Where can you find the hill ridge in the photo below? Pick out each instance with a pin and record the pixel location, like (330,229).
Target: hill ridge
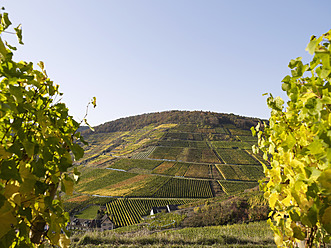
(202,118)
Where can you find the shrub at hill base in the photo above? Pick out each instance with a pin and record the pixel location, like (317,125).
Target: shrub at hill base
(298,138)
(237,209)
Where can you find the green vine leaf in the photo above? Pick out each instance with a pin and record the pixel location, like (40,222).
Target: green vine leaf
(37,140)
(297,140)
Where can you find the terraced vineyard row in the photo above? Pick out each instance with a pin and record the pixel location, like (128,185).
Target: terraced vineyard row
(152,185)
(191,128)
(212,130)
(236,131)
(142,155)
(129,211)
(199,171)
(241,172)
(236,156)
(248,138)
(183,136)
(230,187)
(185,188)
(230,144)
(253,172)
(183,143)
(221,137)
(259,156)
(184,169)
(185,154)
(166,168)
(195,129)
(127,164)
(216,174)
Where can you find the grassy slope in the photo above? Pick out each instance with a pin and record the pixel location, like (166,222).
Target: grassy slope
(88,213)
(256,234)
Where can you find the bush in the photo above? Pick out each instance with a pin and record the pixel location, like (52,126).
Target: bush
(234,210)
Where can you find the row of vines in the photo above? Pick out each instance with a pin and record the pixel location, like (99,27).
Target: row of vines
(129,211)
(241,172)
(185,188)
(230,187)
(144,154)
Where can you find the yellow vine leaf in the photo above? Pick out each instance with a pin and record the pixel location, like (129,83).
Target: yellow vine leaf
(3,153)
(326,219)
(69,186)
(272,199)
(7,219)
(325,179)
(288,200)
(64,241)
(278,240)
(10,190)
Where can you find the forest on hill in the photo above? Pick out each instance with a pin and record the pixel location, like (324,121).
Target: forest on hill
(201,118)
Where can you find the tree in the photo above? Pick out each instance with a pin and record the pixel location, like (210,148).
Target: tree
(298,140)
(37,140)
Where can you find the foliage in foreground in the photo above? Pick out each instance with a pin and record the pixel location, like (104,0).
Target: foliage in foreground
(36,137)
(299,141)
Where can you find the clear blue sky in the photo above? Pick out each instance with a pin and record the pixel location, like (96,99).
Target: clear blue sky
(141,56)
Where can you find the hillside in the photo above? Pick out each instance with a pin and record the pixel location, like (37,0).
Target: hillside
(218,222)
(172,157)
(254,234)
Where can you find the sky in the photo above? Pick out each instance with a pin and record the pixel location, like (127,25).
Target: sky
(142,56)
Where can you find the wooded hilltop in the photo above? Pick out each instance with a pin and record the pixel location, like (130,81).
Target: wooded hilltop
(201,118)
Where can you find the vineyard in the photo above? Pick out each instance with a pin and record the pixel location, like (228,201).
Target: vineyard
(221,137)
(190,128)
(216,174)
(172,169)
(185,188)
(152,185)
(127,164)
(230,144)
(183,143)
(253,173)
(144,154)
(184,161)
(184,136)
(183,168)
(129,211)
(184,154)
(259,156)
(236,156)
(96,179)
(237,131)
(227,172)
(189,170)
(165,168)
(166,152)
(241,172)
(247,138)
(199,171)
(231,187)
(213,130)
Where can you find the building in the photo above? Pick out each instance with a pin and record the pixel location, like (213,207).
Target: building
(166,209)
(102,224)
